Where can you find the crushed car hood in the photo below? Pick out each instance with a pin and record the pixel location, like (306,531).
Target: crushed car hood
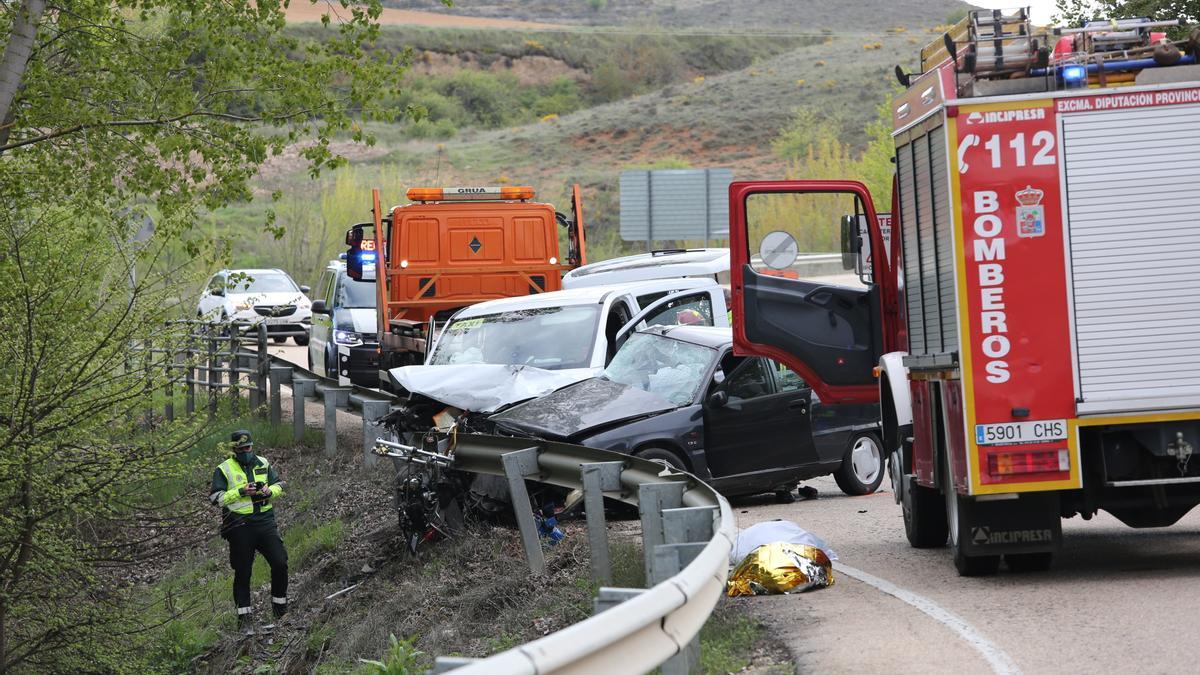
(588,405)
(484,387)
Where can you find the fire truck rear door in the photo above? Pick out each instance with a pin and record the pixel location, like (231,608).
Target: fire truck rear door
(801,293)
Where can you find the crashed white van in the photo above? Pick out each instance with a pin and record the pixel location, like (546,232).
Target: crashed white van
(500,352)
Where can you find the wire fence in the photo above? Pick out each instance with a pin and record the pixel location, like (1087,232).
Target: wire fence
(203,365)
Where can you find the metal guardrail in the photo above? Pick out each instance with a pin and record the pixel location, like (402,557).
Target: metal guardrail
(688,531)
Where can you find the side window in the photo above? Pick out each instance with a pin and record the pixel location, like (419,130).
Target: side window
(751,380)
(648,299)
(812,236)
(689,309)
(216,283)
(325,287)
(786,378)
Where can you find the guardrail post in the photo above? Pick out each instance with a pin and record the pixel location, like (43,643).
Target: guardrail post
(170,361)
(372,411)
(214,375)
(302,388)
(279,375)
(652,499)
(335,397)
(189,374)
(148,381)
(517,465)
(609,597)
(235,377)
(682,527)
(262,367)
(598,478)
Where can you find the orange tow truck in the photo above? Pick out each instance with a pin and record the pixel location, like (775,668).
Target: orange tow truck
(453,247)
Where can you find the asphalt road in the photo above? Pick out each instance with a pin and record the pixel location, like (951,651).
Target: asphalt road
(1116,599)
(288,351)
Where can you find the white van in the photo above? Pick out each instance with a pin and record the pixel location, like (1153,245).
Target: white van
(502,351)
(711,263)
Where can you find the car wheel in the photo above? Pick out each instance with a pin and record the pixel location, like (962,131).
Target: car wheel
(662,456)
(301,340)
(331,370)
(279,339)
(862,469)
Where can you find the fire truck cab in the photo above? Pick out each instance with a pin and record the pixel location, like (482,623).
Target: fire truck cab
(1030,326)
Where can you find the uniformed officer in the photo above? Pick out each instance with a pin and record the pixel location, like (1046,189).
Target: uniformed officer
(245,486)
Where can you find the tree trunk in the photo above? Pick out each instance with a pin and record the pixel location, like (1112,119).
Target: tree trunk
(16,55)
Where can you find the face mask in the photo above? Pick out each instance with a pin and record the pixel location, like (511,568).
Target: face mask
(244,457)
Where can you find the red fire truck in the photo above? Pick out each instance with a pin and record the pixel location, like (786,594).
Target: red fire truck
(1030,330)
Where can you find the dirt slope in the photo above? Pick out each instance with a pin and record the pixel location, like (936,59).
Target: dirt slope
(304,12)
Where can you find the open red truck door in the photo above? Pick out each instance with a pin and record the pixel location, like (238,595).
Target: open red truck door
(806,290)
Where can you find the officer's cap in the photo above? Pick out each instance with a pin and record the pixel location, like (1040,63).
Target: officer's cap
(241,439)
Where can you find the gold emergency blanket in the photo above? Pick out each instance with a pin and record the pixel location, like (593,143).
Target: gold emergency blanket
(781,568)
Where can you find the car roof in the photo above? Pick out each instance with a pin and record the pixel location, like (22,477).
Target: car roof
(653,265)
(588,295)
(716,337)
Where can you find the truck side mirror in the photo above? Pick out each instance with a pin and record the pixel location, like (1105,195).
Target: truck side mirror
(851,243)
(318,307)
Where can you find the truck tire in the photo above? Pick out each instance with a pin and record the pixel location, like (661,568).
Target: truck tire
(863,465)
(924,516)
(967,566)
(1029,562)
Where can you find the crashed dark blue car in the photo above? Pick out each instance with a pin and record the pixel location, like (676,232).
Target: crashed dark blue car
(678,395)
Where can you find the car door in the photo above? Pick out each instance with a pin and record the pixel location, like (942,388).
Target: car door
(321,333)
(703,307)
(761,427)
(618,315)
(800,294)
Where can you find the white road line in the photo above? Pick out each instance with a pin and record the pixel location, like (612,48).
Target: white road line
(1000,662)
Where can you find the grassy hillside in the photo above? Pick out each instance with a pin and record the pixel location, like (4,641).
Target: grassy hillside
(776,15)
(550,108)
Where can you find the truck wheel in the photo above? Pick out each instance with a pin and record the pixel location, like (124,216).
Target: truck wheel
(924,516)
(967,566)
(862,467)
(1029,562)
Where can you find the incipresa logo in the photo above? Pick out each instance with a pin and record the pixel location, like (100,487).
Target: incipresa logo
(994,116)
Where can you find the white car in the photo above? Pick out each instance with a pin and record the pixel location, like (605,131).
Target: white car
(248,297)
(502,351)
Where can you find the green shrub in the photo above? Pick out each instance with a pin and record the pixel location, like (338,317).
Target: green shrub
(401,658)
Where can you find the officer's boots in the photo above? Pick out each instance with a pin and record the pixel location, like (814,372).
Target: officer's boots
(246,623)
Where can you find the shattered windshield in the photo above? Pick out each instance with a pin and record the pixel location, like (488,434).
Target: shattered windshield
(660,365)
(553,338)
